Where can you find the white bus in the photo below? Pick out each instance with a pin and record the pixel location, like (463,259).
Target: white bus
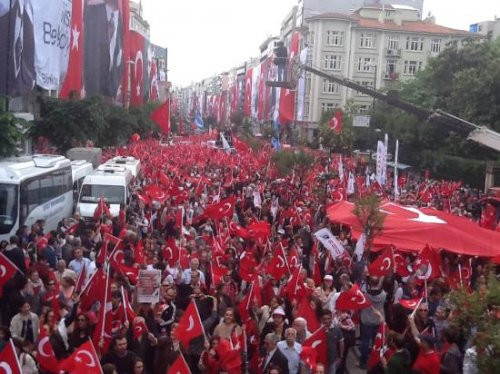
(38,187)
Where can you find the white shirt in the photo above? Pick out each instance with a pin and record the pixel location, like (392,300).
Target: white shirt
(77,265)
(292,354)
(186,276)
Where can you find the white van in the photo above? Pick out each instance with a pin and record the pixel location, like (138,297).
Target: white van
(108,181)
(32,188)
(128,162)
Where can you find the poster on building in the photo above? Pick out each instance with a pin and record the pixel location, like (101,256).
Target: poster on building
(17,48)
(361,120)
(148,286)
(103,42)
(52,32)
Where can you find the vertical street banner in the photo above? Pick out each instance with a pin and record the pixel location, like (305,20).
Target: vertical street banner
(247,105)
(287,97)
(139,69)
(123,92)
(73,81)
(255,90)
(301,87)
(381,163)
(103,55)
(154,88)
(17,47)
(52,33)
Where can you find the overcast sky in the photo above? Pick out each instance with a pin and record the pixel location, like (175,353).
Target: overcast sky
(206,37)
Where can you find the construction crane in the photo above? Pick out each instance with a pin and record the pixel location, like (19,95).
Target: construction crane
(479,134)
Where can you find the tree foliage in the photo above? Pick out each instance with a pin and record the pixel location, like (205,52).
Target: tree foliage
(71,123)
(11,131)
(463,80)
(338,143)
(367,210)
(287,160)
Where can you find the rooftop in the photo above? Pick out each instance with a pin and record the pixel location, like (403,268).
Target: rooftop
(407,26)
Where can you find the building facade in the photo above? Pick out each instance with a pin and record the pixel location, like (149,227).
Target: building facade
(373,46)
(490,29)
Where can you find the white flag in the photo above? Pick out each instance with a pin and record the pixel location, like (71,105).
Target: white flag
(330,242)
(350,184)
(257,200)
(360,246)
(381,163)
(341,169)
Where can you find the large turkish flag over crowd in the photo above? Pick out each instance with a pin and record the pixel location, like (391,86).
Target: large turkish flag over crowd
(411,228)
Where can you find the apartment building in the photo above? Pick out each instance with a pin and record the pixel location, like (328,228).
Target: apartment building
(375,46)
(490,29)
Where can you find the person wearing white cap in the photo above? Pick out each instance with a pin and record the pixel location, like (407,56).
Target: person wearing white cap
(326,291)
(277,326)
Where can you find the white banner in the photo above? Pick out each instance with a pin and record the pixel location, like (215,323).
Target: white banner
(381,163)
(255,90)
(360,247)
(52,33)
(301,87)
(330,242)
(350,184)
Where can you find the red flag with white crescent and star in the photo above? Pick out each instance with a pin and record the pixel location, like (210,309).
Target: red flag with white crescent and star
(317,341)
(73,81)
(84,360)
(7,271)
(45,353)
(335,122)
(383,265)
(161,117)
(179,366)
(138,62)
(247,104)
(8,359)
(190,326)
(220,210)
(354,299)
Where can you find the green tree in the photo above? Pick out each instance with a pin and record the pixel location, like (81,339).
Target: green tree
(367,210)
(286,161)
(463,80)
(12,131)
(342,142)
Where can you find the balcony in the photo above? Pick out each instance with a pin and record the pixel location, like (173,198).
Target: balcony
(393,52)
(393,76)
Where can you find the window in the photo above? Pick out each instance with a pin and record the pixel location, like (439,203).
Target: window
(436,45)
(367,40)
(366,64)
(390,66)
(325,107)
(393,42)
(92,192)
(414,43)
(8,207)
(412,67)
(335,38)
(330,87)
(366,84)
(332,62)
(362,109)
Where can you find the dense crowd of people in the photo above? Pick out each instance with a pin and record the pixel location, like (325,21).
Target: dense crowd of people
(221,228)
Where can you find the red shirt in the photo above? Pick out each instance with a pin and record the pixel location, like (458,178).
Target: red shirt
(427,363)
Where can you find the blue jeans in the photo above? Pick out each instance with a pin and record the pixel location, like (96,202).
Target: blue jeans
(368,334)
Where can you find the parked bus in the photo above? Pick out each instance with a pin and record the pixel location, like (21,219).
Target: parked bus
(32,188)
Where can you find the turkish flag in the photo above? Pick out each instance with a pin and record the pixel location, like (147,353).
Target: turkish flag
(80,282)
(308,355)
(305,310)
(287,96)
(259,230)
(9,362)
(247,104)
(138,68)
(278,265)
(378,344)
(383,265)
(293,259)
(427,264)
(7,271)
(240,145)
(171,252)
(409,304)
(103,253)
(294,288)
(247,265)
(84,360)
(45,353)
(488,217)
(237,230)
(254,295)
(101,209)
(94,290)
(161,116)
(230,356)
(179,366)
(335,122)
(73,81)
(353,299)
(317,341)
(128,310)
(412,229)
(220,210)
(401,266)
(190,326)
(139,328)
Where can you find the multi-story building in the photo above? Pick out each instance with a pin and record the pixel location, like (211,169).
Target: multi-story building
(490,29)
(374,46)
(160,56)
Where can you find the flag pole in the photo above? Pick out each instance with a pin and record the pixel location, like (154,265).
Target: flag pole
(396,171)
(103,306)
(460,274)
